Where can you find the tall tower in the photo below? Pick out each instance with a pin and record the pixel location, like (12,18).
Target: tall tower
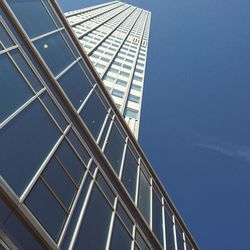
(115,37)
(72,175)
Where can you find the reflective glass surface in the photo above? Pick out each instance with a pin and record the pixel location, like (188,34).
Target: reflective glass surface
(25,142)
(60,182)
(50,48)
(46,209)
(27,10)
(120,237)
(129,173)
(169,232)
(144,197)
(70,161)
(114,148)
(75,84)
(157,218)
(94,223)
(6,41)
(93,114)
(14,90)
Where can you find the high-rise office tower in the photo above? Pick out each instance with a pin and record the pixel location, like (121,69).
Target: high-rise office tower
(72,175)
(115,37)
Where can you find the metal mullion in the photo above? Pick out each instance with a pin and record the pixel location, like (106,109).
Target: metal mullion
(111,225)
(51,115)
(164,224)
(90,9)
(107,136)
(54,194)
(105,21)
(26,104)
(46,34)
(110,33)
(5,50)
(42,167)
(65,170)
(86,99)
(184,240)
(82,213)
(75,201)
(103,126)
(68,68)
(123,158)
(174,230)
(91,17)
(137,182)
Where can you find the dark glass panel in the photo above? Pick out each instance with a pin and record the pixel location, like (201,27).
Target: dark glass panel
(75,84)
(130,173)
(114,148)
(78,146)
(14,90)
(141,242)
(59,182)
(25,142)
(19,234)
(120,237)
(23,65)
(51,106)
(55,52)
(4,212)
(71,45)
(70,161)
(76,213)
(46,209)
(105,188)
(169,232)
(157,218)
(6,41)
(93,114)
(144,197)
(95,223)
(125,218)
(33,16)
(179,237)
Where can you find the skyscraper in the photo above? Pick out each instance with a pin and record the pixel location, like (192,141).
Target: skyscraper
(115,36)
(73,176)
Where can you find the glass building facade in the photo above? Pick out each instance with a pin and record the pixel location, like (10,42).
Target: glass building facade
(72,174)
(115,37)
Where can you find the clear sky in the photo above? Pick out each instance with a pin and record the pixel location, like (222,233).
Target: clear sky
(195,125)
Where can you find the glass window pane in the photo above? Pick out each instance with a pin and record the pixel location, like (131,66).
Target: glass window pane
(134,98)
(169,232)
(5,211)
(6,41)
(75,84)
(46,209)
(141,242)
(93,114)
(129,173)
(75,216)
(55,52)
(157,218)
(70,161)
(144,197)
(25,142)
(78,147)
(19,234)
(33,16)
(59,182)
(117,93)
(95,223)
(132,113)
(114,148)
(14,90)
(120,237)
(125,217)
(23,65)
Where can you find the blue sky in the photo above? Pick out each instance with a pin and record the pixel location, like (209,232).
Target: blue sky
(195,121)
